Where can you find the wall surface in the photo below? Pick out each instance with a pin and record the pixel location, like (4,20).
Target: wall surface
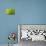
(27,12)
